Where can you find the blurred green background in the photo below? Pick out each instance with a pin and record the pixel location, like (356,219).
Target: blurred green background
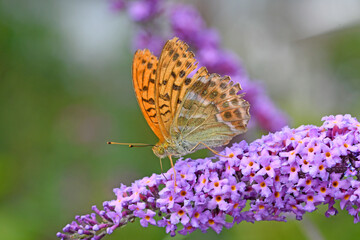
(65,89)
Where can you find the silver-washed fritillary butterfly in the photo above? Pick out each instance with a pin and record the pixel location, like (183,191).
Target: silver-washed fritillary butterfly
(186,113)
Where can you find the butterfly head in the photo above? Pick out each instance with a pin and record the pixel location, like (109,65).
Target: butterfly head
(160,149)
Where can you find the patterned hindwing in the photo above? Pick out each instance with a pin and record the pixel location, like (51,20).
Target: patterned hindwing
(212,112)
(172,81)
(144,71)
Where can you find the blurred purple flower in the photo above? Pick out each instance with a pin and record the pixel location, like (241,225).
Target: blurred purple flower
(140,10)
(144,39)
(263,179)
(117,5)
(187,23)
(263,109)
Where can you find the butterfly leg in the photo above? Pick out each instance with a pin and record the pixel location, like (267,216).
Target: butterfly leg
(162,171)
(212,150)
(172,165)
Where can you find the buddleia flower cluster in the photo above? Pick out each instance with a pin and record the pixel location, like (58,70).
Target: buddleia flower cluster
(285,173)
(159,22)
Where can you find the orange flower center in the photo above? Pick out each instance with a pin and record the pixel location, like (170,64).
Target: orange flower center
(310,198)
(263,184)
(321,167)
(197,215)
(311,150)
(231,155)
(293,169)
(183,193)
(216,184)
(328,154)
(268,168)
(233,187)
(211,222)
(182,176)
(261,207)
(277,194)
(308,182)
(204,181)
(218,198)
(251,164)
(335,183)
(346,145)
(147,218)
(277,178)
(181,212)
(323,189)
(347,196)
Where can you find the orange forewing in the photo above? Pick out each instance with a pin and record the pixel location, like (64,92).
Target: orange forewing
(172,81)
(144,71)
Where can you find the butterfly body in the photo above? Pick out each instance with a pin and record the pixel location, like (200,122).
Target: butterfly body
(174,148)
(187,112)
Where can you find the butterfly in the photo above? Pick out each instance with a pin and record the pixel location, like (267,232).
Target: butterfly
(187,111)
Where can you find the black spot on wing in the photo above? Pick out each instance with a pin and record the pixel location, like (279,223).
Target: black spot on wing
(168,111)
(176,55)
(227,115)
(165,97)
(176,87)
(182,73)
(164,105)
(150,100)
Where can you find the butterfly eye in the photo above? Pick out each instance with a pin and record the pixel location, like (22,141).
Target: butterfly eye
(161,151)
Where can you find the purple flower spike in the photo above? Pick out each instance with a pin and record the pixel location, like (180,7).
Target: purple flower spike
(260,175)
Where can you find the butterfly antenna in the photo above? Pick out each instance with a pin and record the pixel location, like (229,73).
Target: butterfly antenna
(132,144)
